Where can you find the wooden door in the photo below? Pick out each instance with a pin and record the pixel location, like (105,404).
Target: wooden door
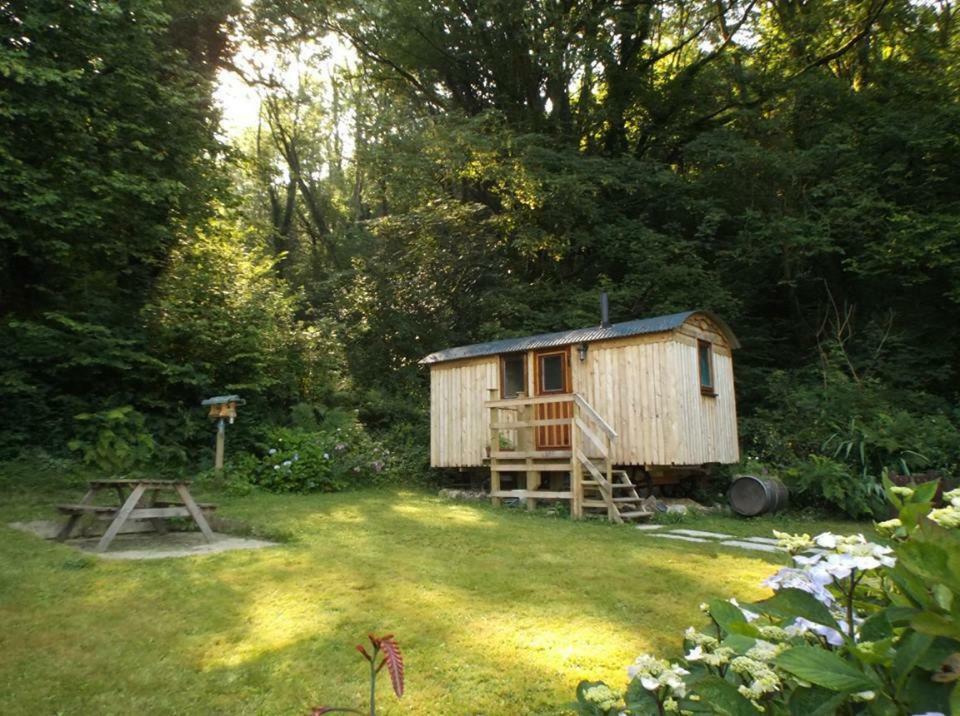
(552,377)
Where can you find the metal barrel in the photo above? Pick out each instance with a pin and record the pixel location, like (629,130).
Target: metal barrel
(750,495)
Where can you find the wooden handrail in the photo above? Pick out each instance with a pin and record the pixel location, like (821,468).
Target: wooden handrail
(594,415)
(590,434)
(539,400)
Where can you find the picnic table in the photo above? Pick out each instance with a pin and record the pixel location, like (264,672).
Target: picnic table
(137,500)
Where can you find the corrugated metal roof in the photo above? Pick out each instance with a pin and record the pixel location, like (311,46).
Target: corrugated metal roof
(657,324)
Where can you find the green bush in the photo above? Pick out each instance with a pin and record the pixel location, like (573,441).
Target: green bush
(853,627)
(822,480)
(114,441)
(832,437)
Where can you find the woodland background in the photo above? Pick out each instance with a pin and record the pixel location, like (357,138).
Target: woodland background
(479,169)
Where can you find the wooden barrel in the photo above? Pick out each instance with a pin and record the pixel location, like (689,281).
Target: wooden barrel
(751,495)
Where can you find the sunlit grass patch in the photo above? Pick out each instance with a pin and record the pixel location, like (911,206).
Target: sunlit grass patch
(499,612)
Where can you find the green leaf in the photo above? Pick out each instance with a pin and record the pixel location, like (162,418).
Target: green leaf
(719,697)
(789,603)
(726,614)
(739,643)
(936,625)
(824,668)
(815,701)
(876,627)
(925,491)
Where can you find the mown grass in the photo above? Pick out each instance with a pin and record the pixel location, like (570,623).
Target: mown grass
(498,612)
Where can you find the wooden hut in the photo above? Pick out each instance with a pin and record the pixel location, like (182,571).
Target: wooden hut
(587,415)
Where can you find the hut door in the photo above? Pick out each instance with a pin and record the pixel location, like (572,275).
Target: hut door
(552,377)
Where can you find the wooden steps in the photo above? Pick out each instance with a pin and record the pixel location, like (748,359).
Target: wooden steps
(581,445)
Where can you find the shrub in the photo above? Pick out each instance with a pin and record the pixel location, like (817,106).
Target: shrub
(822,480)
(114,441)
(853,627)
(318,461)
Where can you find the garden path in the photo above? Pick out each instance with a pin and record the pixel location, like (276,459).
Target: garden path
(756,544)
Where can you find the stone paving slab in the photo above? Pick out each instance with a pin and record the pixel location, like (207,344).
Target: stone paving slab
(681,537)
(763,540)
(701,533)
(150,545)
(649,528)
(756,546)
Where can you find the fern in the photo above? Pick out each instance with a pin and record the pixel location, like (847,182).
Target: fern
(393,659)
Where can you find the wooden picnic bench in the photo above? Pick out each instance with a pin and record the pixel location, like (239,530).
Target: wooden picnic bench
(131,494)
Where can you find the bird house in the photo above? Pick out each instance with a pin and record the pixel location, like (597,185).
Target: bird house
(223,406)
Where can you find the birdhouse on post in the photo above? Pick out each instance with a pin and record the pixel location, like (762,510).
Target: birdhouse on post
(222,409)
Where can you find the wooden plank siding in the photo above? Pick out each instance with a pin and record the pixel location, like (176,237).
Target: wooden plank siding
(646,387)
(459,421)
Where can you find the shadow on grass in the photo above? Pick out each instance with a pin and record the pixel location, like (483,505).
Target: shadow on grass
(497,612)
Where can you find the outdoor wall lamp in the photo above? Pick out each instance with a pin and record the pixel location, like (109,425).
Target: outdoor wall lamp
(582,351)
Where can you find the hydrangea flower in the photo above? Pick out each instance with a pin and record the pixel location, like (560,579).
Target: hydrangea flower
(699,638)
(948,517)
(801,626)
(763,679)
(813,583)
(655,674)
(764,650)
(848,553)
(272,451)
(953,497)
(602,696)
(793,543)
(888,527)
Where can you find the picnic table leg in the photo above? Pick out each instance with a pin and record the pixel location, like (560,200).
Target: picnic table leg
(121,518)
(72,520)
(159,524)
(195,512)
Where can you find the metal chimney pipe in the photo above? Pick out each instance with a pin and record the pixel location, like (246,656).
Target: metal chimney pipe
(604,310)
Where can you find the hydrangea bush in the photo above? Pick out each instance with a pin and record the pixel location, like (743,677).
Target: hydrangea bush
(321,460)
(852,627)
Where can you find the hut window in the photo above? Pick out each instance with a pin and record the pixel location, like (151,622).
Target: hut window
(552,373)
(705,355)
(512,376)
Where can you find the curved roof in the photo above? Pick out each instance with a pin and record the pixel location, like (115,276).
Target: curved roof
(640,326)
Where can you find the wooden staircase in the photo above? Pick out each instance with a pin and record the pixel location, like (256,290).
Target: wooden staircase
(617,498)
(596,487)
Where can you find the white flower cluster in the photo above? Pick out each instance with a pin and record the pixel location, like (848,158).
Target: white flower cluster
(602,696)
(707,649)
(803,626)
(814,583)
(655,674)
(763,679)
(842,555)
(948,516)
(794,544)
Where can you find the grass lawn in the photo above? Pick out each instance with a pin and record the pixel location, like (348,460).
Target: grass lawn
(498,612)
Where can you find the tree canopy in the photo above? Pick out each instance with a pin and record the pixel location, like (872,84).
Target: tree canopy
(479,169)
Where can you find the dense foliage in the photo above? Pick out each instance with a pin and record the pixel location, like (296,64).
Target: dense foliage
(852,627)
(476,170)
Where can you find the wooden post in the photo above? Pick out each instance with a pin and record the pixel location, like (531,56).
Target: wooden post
(526,444)
(576,471)
(221,435)
(609,446)
(121,517)
(494,447)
